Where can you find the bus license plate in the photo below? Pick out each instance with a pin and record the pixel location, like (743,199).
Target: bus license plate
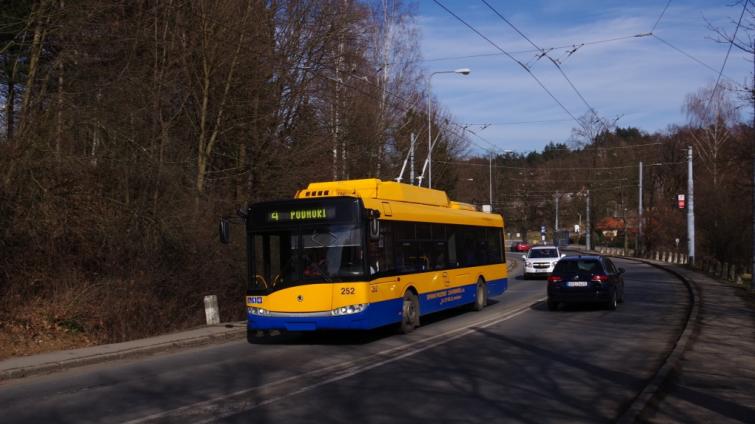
(576,284)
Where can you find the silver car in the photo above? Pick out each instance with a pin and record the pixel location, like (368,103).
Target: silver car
(540,260)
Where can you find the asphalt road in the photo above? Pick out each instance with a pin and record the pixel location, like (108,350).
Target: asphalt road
(513,362)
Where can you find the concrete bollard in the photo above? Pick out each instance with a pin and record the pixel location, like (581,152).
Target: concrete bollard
(657,256)
(663,257)
(718,269)
(739,280)
(732,272)
(211,311)
(725,271)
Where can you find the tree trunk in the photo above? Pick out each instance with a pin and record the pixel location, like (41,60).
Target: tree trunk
(59,114)
(10,101)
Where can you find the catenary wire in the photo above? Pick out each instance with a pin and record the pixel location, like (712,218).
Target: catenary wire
(726,58)
(542,53)
(661,16)
(476,31)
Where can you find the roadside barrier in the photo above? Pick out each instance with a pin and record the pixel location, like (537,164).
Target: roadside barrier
(721,270)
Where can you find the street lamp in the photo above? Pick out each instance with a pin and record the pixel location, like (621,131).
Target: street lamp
(460,71)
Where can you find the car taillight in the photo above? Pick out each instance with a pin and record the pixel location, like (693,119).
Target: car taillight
(600,278)
(554,279)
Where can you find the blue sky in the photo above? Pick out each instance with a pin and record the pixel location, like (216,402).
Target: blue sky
(641,80)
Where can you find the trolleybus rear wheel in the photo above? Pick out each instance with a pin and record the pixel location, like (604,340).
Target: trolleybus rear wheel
(409,313)
(481,296)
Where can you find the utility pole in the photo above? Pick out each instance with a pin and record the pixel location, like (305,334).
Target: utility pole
(588,229)
(556,227)
(690,210)
(638,241)
(752,212)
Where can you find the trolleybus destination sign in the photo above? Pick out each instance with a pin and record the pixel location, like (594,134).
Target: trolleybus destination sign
(300,214)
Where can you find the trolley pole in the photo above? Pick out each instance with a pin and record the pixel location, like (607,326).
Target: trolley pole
(588,229)
(411,159)
(690,210)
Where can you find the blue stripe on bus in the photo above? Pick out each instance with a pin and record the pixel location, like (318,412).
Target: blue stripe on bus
(378,314)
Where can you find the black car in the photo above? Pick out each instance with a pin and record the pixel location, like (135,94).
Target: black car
(586,279)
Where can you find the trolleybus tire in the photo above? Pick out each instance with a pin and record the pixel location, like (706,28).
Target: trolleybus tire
(481,296)
(409,313)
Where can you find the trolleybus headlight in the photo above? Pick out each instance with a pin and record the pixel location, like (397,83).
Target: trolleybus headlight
(348,310)
(257,311)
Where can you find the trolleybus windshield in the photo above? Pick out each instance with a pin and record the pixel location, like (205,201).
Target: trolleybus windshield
(305,255)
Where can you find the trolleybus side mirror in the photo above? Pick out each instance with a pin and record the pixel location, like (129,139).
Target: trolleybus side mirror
(373,215)
(224,231)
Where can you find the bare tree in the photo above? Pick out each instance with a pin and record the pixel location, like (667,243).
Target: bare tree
(713,113)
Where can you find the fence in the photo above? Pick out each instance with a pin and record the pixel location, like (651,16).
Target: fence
(712,266)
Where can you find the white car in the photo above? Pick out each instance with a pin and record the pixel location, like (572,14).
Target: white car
(540,260)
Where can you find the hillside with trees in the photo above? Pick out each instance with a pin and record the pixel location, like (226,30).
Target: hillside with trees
(130,127)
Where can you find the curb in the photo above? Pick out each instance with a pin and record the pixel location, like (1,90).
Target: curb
(651,390)
(91,359)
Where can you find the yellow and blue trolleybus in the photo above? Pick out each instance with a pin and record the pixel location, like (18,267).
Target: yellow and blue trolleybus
(362,254)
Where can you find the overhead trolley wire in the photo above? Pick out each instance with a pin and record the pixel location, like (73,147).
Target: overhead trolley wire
(661,16)
(476,31)
(580,168)
(565,46)
(726,58)
(543,53)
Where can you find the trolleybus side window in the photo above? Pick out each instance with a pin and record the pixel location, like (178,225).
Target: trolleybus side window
(494,246)
(437,247)
(407,258)
(452,260)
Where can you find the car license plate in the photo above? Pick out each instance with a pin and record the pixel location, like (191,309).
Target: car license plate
(576,284)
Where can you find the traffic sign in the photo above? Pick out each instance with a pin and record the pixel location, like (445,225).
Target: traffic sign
(680,201)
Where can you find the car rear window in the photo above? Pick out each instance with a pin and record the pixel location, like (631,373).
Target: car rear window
(578,265)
